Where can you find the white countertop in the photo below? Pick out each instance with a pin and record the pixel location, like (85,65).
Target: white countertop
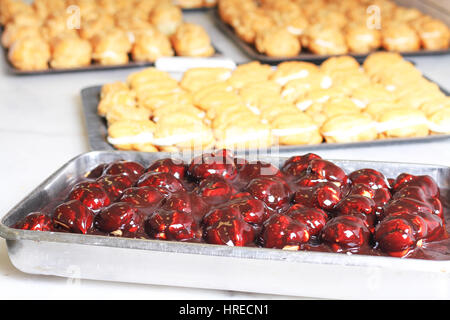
(42,127)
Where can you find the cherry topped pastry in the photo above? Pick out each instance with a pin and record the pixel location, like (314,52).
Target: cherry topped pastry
(130,168)
(257,169)
(426,183)
(284,232)
(215,190)
(297,165)
(115,185)
(73,216)
(173,166)
(35,221)
(273,191)
(117,218)
(91,194)
(220,163)
(163,181)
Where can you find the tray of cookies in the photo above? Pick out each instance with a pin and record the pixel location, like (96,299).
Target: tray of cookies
(294,106)
(152,218)
(82,35)
(276,31)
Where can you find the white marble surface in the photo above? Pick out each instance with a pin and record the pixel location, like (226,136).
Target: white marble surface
(42,127)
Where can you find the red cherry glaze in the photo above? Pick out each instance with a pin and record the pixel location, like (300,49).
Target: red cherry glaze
(411,192)
(397,235)
(214,190)
(115,185)
(163,181)
(362,190)
(257,169)
(437,207)
(35,221)
(172,225)
(116,217)
(281,231)
(382,197)
(220,163)
(369,177)
(252,210)
(308,180)
(188,202)
(426,183)
(91,194)
(297,165)
(73,216)
(233,232)
(97,171)
(324,195)
(142,196)
(326,170)
(405,206)
(346,234)
(173,166)
(273,191)
(355,204)
(314,219)
(130,168)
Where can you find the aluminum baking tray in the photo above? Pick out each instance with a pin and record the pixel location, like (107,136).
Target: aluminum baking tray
(249,269)
(97,130)
(251,51)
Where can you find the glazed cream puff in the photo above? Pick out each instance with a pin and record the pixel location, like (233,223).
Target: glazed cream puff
(351,127)
(166,18)
(277,42)
(70,52)
(150,45)
(402,123)
(296,129)
(132,135)
(29,54)
(192,40)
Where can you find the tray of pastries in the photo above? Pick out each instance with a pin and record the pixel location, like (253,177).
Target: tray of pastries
(313,30)
(224,221)
(294,105)
(50,36)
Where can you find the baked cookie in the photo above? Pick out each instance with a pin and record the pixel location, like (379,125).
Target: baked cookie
(277,42)
(191,40)
(149,45)
(298,129)
(29,54)
(70,52)
(352,127)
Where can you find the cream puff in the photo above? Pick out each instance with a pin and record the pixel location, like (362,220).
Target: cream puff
(13,32)
(291,70)
(247,134)
(402,123)
(166,18)
(439,121)
(295,129)
(400,37)
(111,47)
(434,34)
(116,93)
(325,40)
(30,54)
(197,78)
(249,72)
(361,39)
(150,45)
(132,135)
(191,40)
(277,42)
(351,127)
(70,52)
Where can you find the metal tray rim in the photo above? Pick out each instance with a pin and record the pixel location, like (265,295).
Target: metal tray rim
(9,233)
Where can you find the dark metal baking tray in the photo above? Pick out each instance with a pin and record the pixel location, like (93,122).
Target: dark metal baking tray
(97,130)
(251,51)
(299,273)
